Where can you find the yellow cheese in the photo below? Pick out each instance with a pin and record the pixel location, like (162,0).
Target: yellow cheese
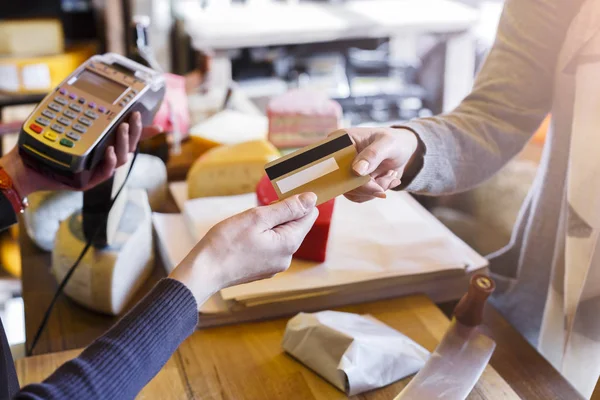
(230,127)
(41,74)
(37,37)
(230,170)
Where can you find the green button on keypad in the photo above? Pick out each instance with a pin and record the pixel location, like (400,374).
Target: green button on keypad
(66,142)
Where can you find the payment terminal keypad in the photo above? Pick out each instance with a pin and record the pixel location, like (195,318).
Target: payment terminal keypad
(73,114)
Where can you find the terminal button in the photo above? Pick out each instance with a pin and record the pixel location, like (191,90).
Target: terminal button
(42,121)
(54,107)
(73,135)
(75,107)
(79,128)
(85,121)
(36,128)
(64,121)
(90,114)
(61,100)
(48,114)
(51,136)
(70,114)
(57,128)
(66,142)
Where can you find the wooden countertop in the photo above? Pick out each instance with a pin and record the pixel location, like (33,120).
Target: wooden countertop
(72,327)
(247,362)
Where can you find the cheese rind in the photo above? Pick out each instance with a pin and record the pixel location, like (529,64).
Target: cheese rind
(230,170)
(314,246)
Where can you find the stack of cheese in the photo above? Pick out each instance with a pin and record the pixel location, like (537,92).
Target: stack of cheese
(302,117)
(33,58)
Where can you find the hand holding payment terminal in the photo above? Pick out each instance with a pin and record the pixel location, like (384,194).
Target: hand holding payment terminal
(67,134)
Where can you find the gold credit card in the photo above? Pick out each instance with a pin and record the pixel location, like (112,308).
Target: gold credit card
(324,168)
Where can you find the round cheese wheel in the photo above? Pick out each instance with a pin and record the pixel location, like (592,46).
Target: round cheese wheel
(106,279)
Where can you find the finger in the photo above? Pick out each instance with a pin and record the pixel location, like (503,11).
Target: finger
(293,233)
(370,188)
(122,144)
(369,159)
(106,168)
(135,130)
(358,198)
(287,210)
(149,131)
(389,180)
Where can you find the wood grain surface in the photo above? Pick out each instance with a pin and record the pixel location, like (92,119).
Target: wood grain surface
(246,361)
(72,326)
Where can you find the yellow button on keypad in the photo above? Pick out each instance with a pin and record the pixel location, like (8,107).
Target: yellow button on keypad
(50,136)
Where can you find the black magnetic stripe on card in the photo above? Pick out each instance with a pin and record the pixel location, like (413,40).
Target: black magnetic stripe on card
(299,161)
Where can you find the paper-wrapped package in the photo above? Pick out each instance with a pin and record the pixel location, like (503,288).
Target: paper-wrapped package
(355,353)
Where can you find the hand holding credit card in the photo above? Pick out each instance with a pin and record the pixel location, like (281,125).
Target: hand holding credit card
(324,168)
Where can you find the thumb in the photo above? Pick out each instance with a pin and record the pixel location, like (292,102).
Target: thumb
(294,232)
(369,159)
(287,210)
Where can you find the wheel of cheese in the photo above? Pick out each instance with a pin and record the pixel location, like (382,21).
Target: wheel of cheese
(230,170)
(48,209)
(106,279)
(314,246)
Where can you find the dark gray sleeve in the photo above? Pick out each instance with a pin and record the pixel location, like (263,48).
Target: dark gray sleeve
(123,360)
(512,95)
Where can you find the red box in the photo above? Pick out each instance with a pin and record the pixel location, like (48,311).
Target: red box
(314,246)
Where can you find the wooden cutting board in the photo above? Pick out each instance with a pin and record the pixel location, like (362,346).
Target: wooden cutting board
(246,361)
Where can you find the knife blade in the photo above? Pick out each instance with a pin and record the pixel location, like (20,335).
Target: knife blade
(457,363)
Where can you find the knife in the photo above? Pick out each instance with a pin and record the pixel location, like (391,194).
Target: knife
(457,363)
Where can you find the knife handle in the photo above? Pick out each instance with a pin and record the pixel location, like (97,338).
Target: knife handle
(469,310)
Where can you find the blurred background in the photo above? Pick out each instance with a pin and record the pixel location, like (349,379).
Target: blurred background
(383,61)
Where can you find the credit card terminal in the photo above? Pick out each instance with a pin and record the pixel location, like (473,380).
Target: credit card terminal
(67,134)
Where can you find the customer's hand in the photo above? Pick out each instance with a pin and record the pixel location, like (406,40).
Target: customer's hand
(383,153)
(253,245)
(128,135)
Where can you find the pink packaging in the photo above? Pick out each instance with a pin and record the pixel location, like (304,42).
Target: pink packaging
(175,102)
(301,117)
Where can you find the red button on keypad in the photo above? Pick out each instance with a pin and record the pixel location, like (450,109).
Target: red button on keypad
(36,128)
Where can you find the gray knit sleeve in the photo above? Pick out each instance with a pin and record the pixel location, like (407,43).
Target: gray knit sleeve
(512,95)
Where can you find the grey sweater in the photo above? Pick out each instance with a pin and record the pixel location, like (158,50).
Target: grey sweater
(513,93)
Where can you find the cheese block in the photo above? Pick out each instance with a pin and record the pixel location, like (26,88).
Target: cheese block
(106,279)
(36,37)
(301,117)
(40,74)
(230,170)
(314,246)
(230,127)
